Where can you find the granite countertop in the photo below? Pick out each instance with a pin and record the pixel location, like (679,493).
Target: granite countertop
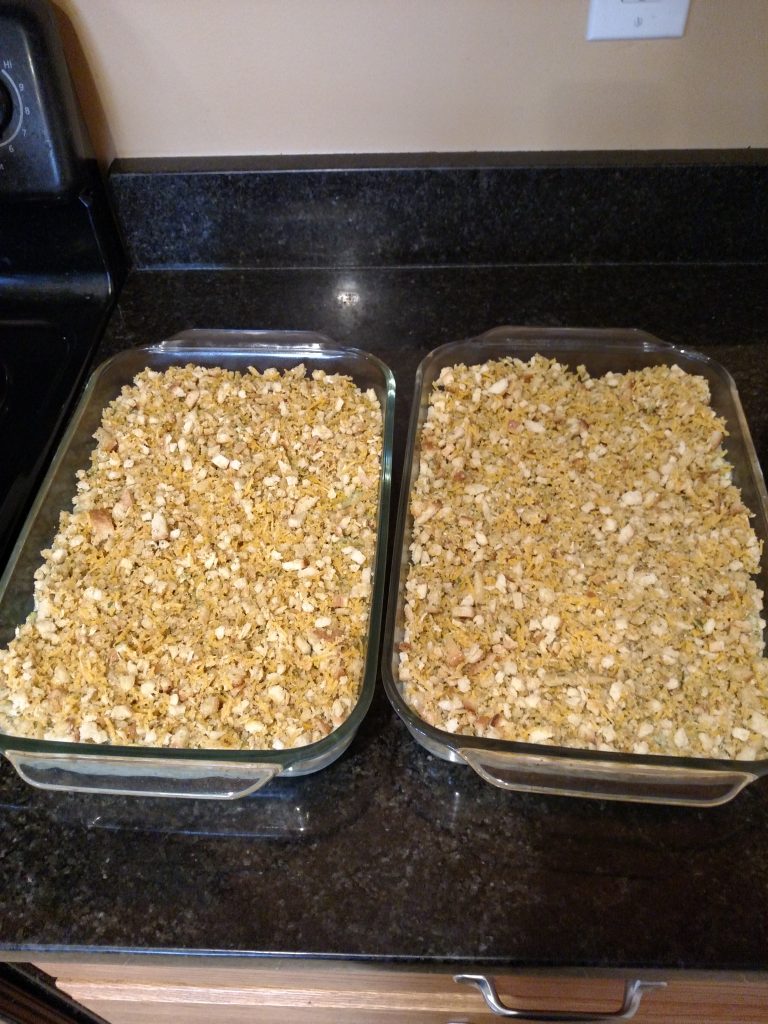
(390,853)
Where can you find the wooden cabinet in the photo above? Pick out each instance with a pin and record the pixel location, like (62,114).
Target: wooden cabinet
(137,990)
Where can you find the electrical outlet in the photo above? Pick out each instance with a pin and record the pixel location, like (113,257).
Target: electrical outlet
(637,19)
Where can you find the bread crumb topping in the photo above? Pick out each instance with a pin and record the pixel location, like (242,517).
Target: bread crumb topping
(211,586)
(581,565)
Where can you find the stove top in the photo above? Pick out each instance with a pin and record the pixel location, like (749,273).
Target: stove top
(60,258)
(39,367)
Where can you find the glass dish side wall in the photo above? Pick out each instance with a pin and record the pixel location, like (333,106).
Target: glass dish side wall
(550,769)
(140,770)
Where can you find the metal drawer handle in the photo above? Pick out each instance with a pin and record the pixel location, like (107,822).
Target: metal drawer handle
(633,993)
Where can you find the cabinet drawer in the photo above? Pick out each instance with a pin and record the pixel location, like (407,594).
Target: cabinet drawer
(133,991)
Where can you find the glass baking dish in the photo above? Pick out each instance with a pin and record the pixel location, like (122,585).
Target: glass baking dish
(150,771)
(551,769)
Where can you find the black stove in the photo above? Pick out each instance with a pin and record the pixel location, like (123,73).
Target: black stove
(60,258)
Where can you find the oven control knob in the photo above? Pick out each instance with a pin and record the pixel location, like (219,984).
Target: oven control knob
(6,109)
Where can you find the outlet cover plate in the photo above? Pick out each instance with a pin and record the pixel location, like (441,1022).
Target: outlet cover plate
(637,19)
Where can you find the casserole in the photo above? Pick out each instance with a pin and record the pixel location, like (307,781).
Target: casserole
(198,772)
(537,766)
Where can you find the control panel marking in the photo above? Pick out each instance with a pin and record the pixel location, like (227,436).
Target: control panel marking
(16,90)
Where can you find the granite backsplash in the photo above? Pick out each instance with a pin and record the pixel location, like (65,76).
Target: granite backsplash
(445,210)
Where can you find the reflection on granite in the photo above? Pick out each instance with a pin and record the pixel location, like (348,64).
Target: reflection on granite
(287,808)
(390,852)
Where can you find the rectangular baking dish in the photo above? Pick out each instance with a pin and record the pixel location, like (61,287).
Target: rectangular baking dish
(550,769)
(150,771)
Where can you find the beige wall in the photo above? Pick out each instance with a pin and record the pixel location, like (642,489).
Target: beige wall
(207,77)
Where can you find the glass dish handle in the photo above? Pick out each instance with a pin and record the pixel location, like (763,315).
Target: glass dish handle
(223,339)
(633,993)
(606,780)
(141,776)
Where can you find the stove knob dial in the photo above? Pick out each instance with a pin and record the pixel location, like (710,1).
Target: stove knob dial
(6,109)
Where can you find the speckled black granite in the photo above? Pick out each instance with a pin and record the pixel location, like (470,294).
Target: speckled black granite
(391,853)
(462,209)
